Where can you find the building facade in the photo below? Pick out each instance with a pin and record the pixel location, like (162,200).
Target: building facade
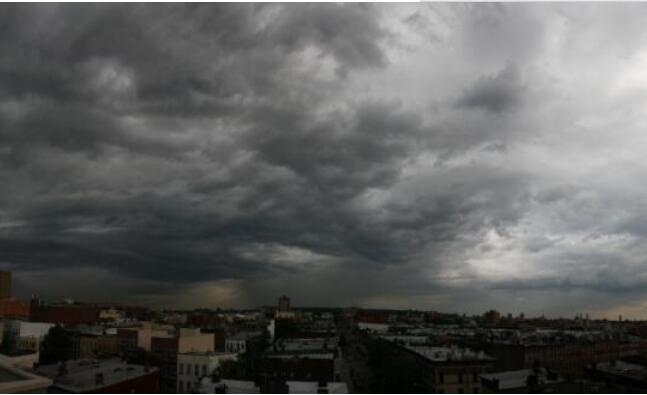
(192,367)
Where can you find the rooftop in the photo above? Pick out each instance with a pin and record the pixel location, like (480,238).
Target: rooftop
(244,335)
(517,378)
(447,354)
(232,386)
(13,380)
(620,368)
(82,374)
(305,345)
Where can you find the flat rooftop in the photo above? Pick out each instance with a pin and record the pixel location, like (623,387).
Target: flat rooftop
(624,369)
(517,378)
(448,354)
(300,345)
(13,380)
(81,374)
(244,336)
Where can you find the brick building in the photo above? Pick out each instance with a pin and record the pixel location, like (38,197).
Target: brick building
(67,314)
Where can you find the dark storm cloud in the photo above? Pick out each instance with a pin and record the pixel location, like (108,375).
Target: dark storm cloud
(402,155)
(498,93)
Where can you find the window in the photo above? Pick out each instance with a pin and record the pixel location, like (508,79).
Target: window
(475,377)
(180,386)
(197,369)
(441,378)
(204,370)
(188,369)
(181,369)
(460,377)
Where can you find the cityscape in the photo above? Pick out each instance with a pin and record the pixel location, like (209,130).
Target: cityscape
(323,198)
(76,347)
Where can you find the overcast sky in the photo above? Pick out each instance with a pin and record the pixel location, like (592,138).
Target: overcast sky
(451,157)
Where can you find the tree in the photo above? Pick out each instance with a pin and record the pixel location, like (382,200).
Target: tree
(57,346)
(232,369)
(285,328)
(8,341)
(395,371)
(248,366)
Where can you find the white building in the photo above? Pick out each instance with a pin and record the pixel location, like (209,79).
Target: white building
(238,342)
(192,367)
(28,335)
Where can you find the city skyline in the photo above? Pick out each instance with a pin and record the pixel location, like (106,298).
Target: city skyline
(448,157)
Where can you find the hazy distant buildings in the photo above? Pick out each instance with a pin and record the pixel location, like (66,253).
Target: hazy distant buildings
(284,304)
(63,313)
(131,339)
(5,284)
(283,310)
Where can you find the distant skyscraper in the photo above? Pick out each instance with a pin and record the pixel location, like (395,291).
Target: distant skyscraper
(5,285)
(284,303)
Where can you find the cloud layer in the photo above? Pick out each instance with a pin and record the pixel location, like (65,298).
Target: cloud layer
(446,156)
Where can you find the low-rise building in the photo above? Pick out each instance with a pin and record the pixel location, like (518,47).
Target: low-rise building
(193,366)
(27,335)
(311,359)
(621,375)
(93,376)
(63,313)
(21,359)
(85,346)
(454,370)
(166,349)
(520,381)
(16,381)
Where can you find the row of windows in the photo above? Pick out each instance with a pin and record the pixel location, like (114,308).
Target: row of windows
(235,346)
(180,388)
(196,369)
